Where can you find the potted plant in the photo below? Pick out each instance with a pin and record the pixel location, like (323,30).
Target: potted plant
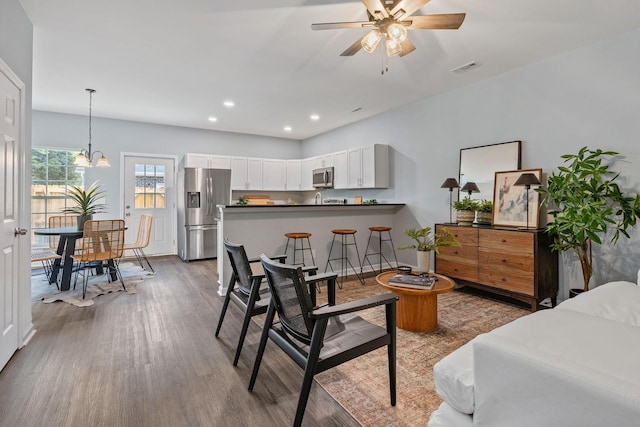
(86,202)
(484,212)
(465,210)
(425,243)
(585,203)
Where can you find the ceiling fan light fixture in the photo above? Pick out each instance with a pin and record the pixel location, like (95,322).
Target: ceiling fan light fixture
(371,40)
(393,48)
(397,32)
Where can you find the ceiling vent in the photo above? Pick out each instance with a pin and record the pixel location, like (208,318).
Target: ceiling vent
(466,67)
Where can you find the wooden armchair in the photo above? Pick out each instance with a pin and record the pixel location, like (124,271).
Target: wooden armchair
(320,338)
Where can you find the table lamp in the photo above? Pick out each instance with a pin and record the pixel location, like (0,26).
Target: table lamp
(527,179)
(470,187)
(450,183)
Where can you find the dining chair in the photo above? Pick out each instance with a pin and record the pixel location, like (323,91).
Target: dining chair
(46,257)
(142,240)
(102,242)
(57,221)
(320,338)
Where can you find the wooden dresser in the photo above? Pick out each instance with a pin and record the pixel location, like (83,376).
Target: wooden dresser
(515,263)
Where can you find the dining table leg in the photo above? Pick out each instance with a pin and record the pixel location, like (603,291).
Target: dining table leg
(55,269)
(67,269)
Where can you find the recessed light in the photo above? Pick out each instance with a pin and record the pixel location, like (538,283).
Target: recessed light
(229,104)
(213,119)
(288,128)
(315,117)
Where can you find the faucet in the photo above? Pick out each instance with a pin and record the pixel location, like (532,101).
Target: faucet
(318,195)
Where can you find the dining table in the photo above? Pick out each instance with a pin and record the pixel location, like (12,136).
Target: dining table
(66,248)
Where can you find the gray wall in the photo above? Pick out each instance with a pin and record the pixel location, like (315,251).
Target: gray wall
(586,97)
(16,50)
(115,136)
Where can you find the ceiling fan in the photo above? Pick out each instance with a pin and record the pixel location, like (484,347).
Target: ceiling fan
(390,19)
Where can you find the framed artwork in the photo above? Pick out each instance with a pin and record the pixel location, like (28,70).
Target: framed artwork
(510,201)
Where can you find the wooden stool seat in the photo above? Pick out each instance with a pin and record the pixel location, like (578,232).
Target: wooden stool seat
(297,235)
(380,228)
(344,231)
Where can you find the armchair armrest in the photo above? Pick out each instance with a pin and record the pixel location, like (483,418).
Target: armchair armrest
(320,277)
(280,258)
(312,269)
(350,307)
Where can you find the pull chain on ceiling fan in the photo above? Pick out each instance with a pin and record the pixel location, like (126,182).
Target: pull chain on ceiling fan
(390,21)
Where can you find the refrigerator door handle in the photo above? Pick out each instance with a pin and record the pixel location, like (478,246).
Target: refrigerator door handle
(209,195)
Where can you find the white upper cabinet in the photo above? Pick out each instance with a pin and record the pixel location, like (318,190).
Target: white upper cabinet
(274,174)
(294,175)
(194,160)
(341,170)
(369,167)
(307,166)
(246,173)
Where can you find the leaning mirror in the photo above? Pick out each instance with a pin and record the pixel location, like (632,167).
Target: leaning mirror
(479,164)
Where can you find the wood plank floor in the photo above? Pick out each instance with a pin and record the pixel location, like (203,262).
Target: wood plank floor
(151,359)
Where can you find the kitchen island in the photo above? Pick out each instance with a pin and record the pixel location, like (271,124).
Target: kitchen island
(261,229)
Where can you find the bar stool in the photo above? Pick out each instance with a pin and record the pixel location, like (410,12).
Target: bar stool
(299,236)
(344,254)
(381,256)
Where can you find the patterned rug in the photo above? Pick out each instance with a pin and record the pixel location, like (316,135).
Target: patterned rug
(132,275)
(361,385)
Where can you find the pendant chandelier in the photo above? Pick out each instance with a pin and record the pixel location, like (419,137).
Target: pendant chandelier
(85,158)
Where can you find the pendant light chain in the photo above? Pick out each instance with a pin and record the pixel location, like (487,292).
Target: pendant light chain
(90,103)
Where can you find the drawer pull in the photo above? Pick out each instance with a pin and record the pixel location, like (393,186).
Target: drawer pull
(504,260)
(504,240)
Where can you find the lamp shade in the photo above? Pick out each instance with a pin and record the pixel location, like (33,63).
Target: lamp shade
(450,183)
(371,40)
(470,187)
(527,179)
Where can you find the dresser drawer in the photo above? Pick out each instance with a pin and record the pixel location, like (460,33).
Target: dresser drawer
(507,279)
(467,236)
(504,240)
(457,270)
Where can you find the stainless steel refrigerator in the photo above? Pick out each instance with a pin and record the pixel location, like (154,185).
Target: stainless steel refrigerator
(199,191)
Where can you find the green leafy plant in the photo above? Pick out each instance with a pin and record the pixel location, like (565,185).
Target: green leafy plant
(427,242)
(485,206)
(465,204)
(370,202)
(86,200)
(585,203)
(243,201)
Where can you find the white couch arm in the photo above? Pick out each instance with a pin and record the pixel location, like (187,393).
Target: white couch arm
(520,385)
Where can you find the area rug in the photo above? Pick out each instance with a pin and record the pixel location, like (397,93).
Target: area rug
(132,275)
(361,386)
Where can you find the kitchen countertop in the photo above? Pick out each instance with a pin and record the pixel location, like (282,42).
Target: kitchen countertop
(324,205)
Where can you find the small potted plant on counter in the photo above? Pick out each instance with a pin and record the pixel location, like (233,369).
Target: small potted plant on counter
(86,202)
(484,212)
(465,210)
(426,243)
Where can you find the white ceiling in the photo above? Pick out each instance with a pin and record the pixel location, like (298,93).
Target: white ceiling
(175,62)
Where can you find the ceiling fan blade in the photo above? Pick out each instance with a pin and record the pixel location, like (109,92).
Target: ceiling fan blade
(354,48)
(446,21)
(407,47)
(376,8)
(406,8)
(340,25)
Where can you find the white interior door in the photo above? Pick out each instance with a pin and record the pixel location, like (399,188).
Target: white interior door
(10,275)
(149,188)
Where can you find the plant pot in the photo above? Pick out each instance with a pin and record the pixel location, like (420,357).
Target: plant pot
(465,218)
(484,217)
(82,219)
(424,261)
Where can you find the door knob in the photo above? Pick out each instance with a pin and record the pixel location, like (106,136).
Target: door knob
(20,231)
(128,207)
(127,214)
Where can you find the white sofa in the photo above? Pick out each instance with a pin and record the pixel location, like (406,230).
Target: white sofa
(575,365)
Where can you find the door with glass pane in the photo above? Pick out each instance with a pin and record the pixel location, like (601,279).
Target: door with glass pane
(149,188)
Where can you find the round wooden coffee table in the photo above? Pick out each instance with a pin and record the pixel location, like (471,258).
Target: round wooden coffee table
(417,309)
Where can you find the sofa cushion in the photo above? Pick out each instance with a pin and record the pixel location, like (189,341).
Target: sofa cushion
(447,416)
(618,301)
(453,378)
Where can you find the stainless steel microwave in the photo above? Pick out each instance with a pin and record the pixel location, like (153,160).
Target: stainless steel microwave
(323,178)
